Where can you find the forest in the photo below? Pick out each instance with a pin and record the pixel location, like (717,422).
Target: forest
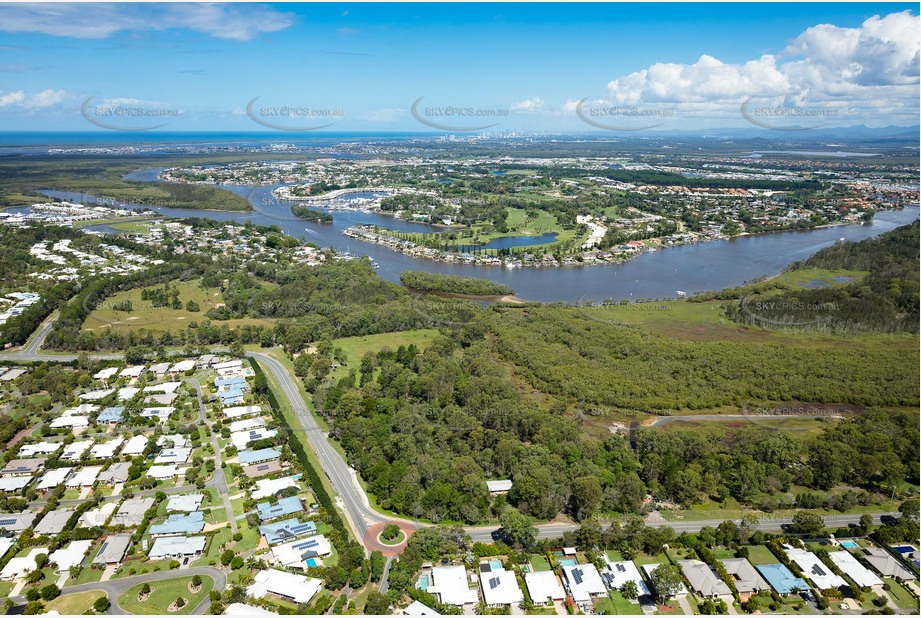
(452,284)
(309,214)
(885,300)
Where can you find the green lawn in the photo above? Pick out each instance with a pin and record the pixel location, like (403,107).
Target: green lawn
(355,348)
(759,554)
(5,588)
(539,563)
(617,604)
(87,575)
(74,604)
(674,611)
(614,555)
(900,595)
(163,593)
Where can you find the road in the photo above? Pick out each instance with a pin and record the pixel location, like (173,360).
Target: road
(352,498)
(218,480)
(114,588)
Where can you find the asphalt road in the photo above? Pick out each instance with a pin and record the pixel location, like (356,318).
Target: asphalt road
(114,588)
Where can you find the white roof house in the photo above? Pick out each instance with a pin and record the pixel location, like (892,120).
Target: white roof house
(814,569)
(269,487)
(70,421)
(75,450)
(159,368)
(241,438)
(106,450)
(53,478)
(127,392)
(500,587)
(849,565)
(132,372)
(241,411)
(176,547)
(620,572)
(40,448)
(135,446)
(14,483)
(82,409)
(544,586)
(105,374)
(288,586)
(161,413)
(17,568)
(165,387)
(584,582)
(173,455)
(85,477)
(246,424)
(182,366)
(419,609)
(166,471)
(6,542)
(231,364)
(70,556)
(98,516)
(296,553)
(449,585)
(97,395)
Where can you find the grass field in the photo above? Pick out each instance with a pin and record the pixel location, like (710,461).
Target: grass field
(539,563)
(145,315)
(140,226)
(705,321)
(615,603)
(74,604)
(759,554)
(356,347)
(900,595)
(163,593)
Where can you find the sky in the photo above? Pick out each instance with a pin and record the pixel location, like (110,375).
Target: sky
(457,67)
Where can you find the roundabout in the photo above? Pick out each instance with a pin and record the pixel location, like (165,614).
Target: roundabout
(375,539)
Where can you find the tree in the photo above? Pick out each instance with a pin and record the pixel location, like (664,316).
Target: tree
(666,580)
(41,561)
(50,592)
(390,532)
(196,580)
(517,529)
(377,604)
(216,609)
(336,578)
(227,557)
(101,604)
(630,590)
(377,565)
(866,523)
(808,523)
(587,495)
(236,563)
(180,602)
(32,608)
(145,589)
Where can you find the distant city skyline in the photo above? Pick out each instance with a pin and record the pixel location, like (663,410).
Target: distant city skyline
(622,68)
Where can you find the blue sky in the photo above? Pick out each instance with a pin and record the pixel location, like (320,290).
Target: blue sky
(516,66)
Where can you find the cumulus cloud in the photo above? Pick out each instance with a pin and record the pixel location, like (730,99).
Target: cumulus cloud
(873,68)
(34,101)
(240,22)
(529,106)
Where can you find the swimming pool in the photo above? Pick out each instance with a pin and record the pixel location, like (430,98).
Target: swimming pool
(495,564)
(849,545)
(567,562)
(904,549)
(313,562)
(423,583)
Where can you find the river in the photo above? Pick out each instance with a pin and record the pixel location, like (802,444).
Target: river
(656,275)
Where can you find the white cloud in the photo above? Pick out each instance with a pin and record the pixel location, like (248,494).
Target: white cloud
(38,100)
(240,22)
(860,71)
(529,106)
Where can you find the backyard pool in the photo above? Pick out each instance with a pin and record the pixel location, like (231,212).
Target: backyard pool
(423,583)
(567,562)
(495,564)
(904,549)
(313,562)
(849,545)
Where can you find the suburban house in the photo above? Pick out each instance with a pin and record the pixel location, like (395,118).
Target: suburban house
(176,547)
(113,549)
(584,584)
(544,587)
(704,580)
(288,586)
(500,587)
(449,585)
(746,578)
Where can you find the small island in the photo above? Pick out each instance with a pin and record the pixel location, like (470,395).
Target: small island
(309,214)
(453,284)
